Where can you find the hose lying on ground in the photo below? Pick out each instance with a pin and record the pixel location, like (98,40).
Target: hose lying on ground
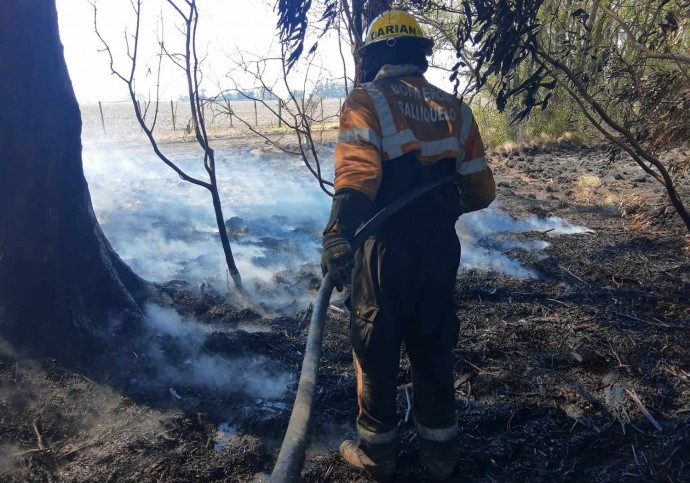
(291,457)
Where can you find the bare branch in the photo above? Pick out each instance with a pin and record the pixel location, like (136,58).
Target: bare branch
(177,9)
(663,175)
(106,47)
(342,56)
(193,81)
(355,39)
(633,41)
(130,85)
(617,141)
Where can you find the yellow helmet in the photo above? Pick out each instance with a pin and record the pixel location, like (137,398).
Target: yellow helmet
(392,25)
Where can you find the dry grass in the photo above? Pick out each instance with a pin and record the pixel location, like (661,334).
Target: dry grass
(591,190)
(543,140)
(507,147)
(584,189)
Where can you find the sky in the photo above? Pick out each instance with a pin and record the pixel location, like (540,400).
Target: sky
(226,28)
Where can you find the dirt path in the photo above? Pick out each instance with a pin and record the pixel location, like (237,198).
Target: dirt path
(581,374)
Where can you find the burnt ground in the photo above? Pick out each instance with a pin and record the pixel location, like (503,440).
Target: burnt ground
(581,374)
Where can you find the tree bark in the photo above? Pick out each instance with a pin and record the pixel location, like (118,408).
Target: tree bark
(224,240)
(63,290)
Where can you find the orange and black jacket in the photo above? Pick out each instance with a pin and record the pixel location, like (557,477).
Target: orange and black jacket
(396,133)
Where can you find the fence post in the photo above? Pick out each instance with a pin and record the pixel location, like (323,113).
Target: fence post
(256,115)
(100,108)
(280,113)
(172,111)
(322,109)
(340,104)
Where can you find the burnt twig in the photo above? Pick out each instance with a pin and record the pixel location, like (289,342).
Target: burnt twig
(24,453)
(647,414)
(39,439)
(406,389)
(572,274)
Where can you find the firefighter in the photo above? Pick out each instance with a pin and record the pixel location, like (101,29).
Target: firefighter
(397,131)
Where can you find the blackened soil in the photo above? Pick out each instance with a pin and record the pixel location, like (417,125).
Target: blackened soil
(580,375)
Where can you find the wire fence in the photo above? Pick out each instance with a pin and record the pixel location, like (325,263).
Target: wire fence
(117,120)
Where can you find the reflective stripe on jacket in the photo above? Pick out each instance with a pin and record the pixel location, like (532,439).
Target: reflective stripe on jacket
(396,115)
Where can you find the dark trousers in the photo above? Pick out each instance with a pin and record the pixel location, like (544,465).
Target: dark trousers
(402,291)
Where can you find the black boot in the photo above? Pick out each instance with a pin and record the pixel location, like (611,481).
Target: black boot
(378,460)
(438,456)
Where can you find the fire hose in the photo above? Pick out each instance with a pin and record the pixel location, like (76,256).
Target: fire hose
(291,457)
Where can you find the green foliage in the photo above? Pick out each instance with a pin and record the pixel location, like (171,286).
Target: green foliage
(663,101)
(626,59)
(493,125)
(559,120)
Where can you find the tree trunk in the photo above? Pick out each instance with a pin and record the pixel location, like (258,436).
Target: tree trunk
(227,250)
(357,14)
(63,289)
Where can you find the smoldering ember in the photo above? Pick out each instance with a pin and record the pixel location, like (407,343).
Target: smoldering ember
(330,241)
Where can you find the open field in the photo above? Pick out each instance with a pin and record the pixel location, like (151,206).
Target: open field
(121,125)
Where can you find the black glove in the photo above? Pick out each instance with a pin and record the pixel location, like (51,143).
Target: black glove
(337,259)
(349,210)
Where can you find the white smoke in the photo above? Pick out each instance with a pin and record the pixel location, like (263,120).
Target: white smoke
(9,462)
(165,229)
(176,351)
(483,248)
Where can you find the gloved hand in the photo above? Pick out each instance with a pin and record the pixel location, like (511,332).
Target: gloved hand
(337,259)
